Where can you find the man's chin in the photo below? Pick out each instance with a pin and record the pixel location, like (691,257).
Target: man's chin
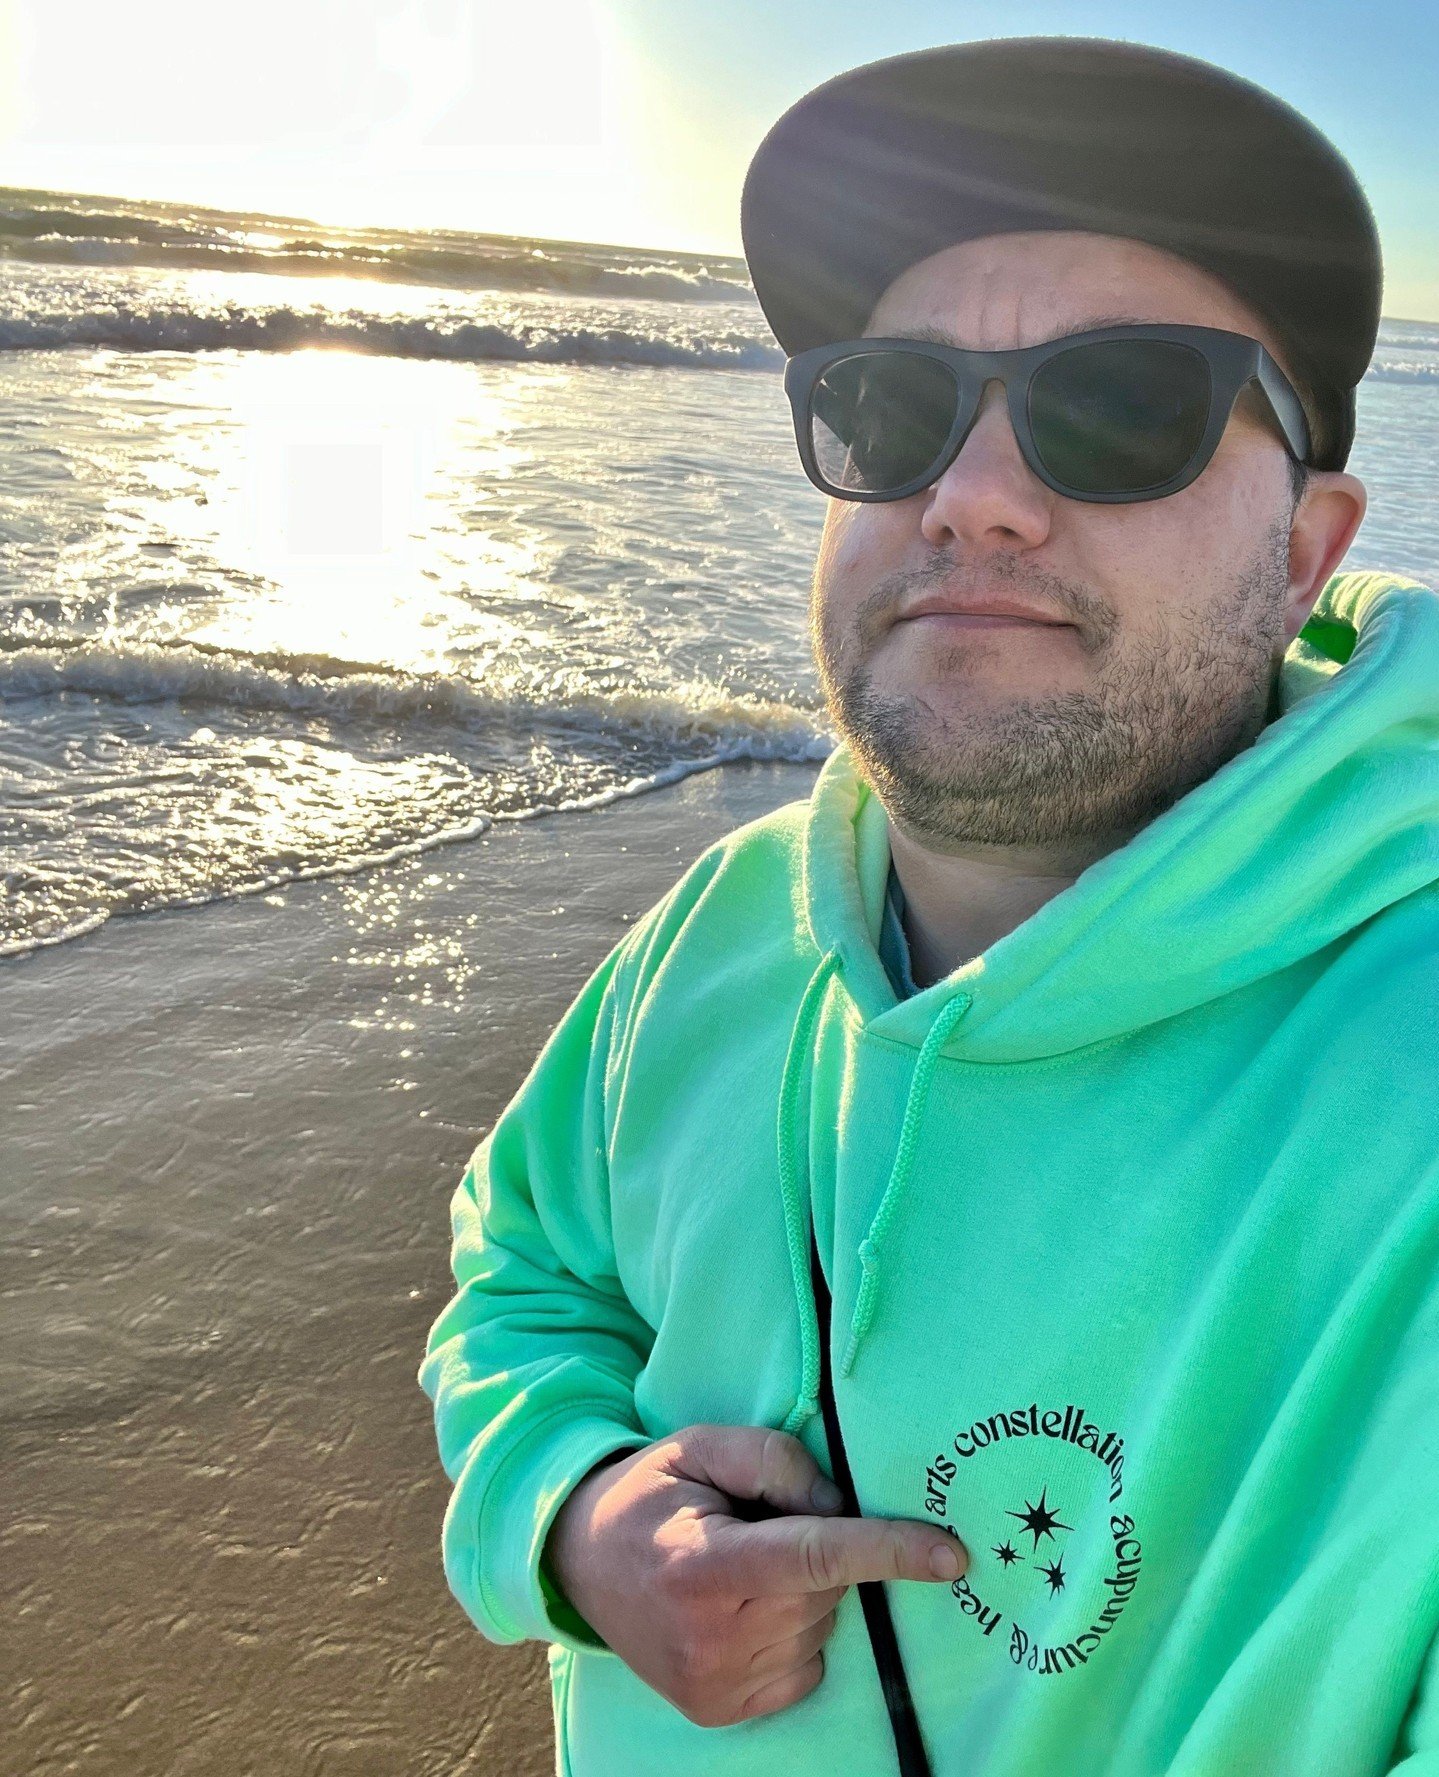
(915,771)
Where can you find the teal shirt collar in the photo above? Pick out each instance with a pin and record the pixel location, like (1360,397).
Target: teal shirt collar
(893,945)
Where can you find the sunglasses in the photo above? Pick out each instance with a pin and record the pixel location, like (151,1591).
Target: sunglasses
(1115,414)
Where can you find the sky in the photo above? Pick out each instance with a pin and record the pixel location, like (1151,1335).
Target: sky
(621,121)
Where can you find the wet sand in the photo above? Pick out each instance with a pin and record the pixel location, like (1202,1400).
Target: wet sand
(229,1136)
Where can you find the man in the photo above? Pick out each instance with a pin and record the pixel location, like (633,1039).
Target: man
(1036,1128)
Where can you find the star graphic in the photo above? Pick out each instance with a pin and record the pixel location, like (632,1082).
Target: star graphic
(1038,1519)
(1005,1553)
(1054,1573)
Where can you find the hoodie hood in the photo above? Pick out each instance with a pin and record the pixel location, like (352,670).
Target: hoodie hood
(1328,817)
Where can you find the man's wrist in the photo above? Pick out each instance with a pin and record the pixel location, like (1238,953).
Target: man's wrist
(550,1553)
(572,1498)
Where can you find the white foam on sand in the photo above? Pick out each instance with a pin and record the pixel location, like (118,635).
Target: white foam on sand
(229,1137)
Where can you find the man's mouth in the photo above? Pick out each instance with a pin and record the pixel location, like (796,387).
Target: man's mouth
(981,620)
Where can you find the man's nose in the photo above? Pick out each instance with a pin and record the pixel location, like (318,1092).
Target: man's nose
(988,488)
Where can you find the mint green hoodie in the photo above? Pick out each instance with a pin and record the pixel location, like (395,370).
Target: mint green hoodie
(1132,1229)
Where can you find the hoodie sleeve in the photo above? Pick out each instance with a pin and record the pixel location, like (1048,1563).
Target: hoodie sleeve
(532,1363)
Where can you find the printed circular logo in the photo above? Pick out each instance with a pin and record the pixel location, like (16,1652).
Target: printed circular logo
(1033,1559)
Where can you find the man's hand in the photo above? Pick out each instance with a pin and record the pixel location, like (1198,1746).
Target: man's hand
(723,1616)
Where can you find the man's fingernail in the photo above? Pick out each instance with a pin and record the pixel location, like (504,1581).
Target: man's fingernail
(944,1561)
(824,1495)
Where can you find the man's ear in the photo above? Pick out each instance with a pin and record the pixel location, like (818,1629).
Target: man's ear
(1330,511)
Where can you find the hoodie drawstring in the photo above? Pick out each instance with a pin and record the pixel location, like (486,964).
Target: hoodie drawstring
(795,1221)
(798,1061)
(949,1015)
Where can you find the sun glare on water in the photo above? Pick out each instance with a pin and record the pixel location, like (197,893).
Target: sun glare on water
(328,472)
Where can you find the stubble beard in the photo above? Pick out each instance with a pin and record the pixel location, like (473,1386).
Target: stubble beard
(1169,710)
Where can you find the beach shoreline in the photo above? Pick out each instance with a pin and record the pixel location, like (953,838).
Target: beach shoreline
(231,1133)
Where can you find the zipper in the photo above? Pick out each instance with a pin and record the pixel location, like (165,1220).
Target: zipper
(904,1724)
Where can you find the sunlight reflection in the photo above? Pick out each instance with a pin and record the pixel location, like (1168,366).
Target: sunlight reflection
(326,482)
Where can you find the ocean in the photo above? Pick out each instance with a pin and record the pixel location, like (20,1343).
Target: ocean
(323,547)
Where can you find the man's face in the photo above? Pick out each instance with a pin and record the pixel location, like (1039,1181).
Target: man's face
(1176,612)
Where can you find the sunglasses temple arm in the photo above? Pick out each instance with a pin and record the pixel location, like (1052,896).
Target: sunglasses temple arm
(1285,406)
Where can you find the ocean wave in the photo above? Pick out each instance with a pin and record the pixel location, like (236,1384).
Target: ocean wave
(1403,370)
(693,712)
(123,328)
(23,944)
(452,268)
(157,237)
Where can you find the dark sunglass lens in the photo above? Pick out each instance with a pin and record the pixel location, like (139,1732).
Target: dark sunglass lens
(1119,415)
(880,419)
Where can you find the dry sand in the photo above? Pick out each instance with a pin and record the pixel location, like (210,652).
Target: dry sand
(229,1137)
